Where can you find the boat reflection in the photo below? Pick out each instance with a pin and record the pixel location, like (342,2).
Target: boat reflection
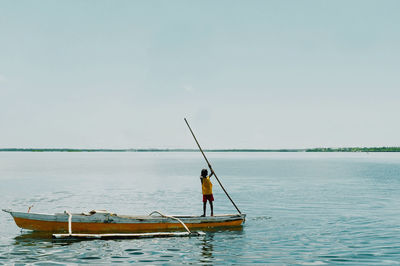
(223,229)
(32,238)
(206,242)
(207,248)
(32,235)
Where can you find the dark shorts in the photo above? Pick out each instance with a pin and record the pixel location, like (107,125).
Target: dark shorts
(208,197)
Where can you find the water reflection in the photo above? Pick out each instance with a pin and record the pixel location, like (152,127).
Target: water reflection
(207,248)
(223,229)
(216,236)
(32,238)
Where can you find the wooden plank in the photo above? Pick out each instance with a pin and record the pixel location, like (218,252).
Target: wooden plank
(115,236)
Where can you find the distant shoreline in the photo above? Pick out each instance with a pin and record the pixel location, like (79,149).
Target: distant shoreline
(351,149)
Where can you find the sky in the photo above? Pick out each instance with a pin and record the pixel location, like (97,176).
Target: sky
(246,74)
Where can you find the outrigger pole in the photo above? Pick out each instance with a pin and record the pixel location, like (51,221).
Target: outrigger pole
(209,165)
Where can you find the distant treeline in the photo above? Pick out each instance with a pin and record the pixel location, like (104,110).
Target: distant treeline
(353,149)
(356,149)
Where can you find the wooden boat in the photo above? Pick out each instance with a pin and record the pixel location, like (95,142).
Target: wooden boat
(104,222)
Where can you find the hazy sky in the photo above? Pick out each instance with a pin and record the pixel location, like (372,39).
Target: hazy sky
(246,74)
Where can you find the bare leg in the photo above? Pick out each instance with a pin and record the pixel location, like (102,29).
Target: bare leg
(204,208)
(212,208)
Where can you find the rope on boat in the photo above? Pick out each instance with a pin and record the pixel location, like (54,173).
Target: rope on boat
(163,215)
(172,217)
(141,235)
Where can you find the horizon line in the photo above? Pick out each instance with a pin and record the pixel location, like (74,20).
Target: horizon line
(318,149)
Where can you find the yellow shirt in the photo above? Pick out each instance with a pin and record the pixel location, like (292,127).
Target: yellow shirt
(206,186)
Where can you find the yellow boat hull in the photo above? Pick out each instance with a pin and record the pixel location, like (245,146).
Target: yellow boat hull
(103,223)
(59,227)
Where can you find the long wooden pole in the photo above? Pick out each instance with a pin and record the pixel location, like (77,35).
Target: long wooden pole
(209,165)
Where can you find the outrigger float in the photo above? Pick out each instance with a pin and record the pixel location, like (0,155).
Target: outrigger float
(103,224)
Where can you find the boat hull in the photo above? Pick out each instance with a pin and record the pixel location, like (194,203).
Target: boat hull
(112,223)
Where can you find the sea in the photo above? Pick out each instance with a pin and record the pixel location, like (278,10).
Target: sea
(302,208)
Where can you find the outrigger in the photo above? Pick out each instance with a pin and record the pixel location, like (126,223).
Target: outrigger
(104,224)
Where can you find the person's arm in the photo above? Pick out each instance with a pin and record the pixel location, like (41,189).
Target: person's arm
(212,171)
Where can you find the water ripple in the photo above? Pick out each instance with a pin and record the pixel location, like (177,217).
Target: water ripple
(301,210)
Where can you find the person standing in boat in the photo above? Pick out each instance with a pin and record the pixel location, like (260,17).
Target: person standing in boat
(206,188)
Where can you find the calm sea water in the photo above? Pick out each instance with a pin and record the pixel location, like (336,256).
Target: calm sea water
(303,208)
